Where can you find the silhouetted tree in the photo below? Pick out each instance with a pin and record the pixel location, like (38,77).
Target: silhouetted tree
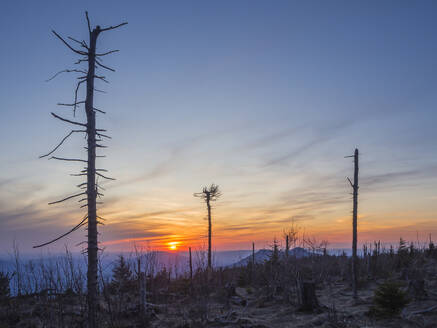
(5,290)
(94,135)
(354,224)
(209,195)
(121,274)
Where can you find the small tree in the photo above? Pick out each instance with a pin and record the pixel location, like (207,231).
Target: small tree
(121,275)
(209,195)
(389,299)
(274,258)
(402,249)
(5,290)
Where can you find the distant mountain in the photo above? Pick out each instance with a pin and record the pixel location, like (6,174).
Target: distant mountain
(264,255)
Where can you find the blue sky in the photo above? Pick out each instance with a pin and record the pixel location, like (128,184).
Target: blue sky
(263,98)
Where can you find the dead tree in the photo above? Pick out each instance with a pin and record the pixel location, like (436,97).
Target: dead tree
(253,253)
(209,195)
(354,186)
(287,246)
(91,190)
(142,287)
(191,266)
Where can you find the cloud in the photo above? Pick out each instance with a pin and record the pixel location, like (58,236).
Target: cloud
(167,166)
(323,134)
(411,176)
(269,139)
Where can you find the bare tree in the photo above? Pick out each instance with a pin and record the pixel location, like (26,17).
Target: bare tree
(253,253)
(191,265)
(291,235)
(209,195)
(91,189)
(354,223)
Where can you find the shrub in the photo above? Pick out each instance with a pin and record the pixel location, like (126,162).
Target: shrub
(389,299)
(4,287)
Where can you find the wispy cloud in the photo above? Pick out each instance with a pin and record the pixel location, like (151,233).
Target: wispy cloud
(323,134)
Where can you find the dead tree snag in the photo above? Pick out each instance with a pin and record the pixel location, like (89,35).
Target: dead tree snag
(91,188)
(354,224)
(209,195)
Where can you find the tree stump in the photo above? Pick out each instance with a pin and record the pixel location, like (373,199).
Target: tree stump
(306,296)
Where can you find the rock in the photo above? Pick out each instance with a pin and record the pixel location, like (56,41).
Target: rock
(242,292)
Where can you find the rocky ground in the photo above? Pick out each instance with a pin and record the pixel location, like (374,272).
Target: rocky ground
(337,309)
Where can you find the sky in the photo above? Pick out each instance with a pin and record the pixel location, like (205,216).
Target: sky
(263,98)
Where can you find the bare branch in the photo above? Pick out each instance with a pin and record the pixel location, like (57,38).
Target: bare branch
(103,135)
(69,159)
(98,110)
(66,71)
(67,198)
(88,21)
(68,121)
(101,78)
(82,223)
(68,45)
(113,27)
(82,43)
(104,177)
(75,96)
(352,185)
(104,66)
(107,53)
(73,104)
(81,60)
(81,243)
(62,141)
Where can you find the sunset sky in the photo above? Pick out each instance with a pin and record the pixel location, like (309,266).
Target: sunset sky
(263,98)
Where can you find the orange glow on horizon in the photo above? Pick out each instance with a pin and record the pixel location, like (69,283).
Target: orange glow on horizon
(173,245)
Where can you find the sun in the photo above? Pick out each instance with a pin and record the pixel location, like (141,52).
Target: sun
(173,245)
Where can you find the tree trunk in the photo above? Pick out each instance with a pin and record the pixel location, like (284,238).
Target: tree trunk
(354,227)
(287,246)
(191,266)
(209,231)
(91,183)
(142,287)
(253,253)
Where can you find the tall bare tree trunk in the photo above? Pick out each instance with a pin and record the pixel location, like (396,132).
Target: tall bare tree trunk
(91,182)
(209,195)
(90,56)
(209,230)
(354,226)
